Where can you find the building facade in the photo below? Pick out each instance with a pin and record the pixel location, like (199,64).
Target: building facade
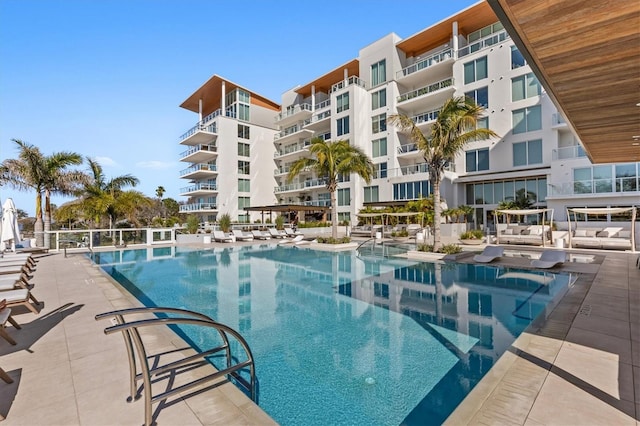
(469,54)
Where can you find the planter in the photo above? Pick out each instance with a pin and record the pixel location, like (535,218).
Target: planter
(472,242)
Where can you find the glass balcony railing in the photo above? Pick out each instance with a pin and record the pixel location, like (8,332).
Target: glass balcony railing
(353,80)
(291,130)
(568,152)
(199,187)
(196,148)
(425,63)
(406,148)
(293,110)
(597,186)
(301,185)
(291,148)
(483,43)
(211,128)
(185,208)
(198,167)
(443,84)
(323,104)
(426,117)
(318,117)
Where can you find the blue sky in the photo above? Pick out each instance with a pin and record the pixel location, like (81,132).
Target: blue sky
(106,78)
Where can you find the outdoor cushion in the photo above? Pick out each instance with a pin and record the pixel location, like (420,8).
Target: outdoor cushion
(603,234)
(624,234)
(508,231)
(580,233)
(591,232)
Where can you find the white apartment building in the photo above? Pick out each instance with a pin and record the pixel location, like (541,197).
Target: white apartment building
(467,54)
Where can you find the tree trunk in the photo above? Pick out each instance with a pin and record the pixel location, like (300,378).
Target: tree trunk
(38,226)
(334,215)
(47,218)
(436,215)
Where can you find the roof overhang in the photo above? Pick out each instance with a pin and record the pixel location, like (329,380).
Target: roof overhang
(324,83)
(587,56)
(286,208)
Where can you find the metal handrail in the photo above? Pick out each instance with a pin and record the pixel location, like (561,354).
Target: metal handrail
(135,345)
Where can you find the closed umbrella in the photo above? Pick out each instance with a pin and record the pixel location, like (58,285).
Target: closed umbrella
(10,228)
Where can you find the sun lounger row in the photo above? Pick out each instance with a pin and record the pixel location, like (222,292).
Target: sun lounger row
(15,288)
(548,258)
(238,235)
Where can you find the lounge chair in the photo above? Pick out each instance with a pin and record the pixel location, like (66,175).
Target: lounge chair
(297,239)
(291,233)
(489,254)
(259,235)
(18,297)
(220,237)
(276,234)
(5,316)
(241,236)
(17,263)
(14,269)
(549,259)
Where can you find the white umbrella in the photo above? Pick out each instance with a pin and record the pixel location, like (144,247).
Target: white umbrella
(10,224)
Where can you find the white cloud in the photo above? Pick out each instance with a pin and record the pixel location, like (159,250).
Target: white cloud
(156,165)
(106,161)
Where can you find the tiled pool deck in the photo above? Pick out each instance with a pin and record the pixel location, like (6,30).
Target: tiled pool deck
(580,366)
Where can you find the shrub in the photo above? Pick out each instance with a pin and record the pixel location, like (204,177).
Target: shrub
(400,233)
(474,234)
(331,240)
(224,222)
(314,224)
(192,224)
(447,248)
(280,222)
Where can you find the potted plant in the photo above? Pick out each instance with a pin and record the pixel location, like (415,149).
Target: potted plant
(473,237)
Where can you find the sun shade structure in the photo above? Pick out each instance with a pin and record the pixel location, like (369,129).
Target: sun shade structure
(527,212)
(383,214)
(600,211)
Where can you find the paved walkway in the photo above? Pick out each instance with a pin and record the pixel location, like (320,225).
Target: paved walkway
(579,366)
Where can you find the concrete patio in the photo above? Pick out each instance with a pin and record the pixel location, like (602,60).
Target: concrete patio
(579,366)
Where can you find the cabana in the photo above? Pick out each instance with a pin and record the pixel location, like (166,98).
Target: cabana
(524,234)
(609,237)
(384,216)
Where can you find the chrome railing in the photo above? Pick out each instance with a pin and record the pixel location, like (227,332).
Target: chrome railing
(200,147)
(291,148)
(426,117)
(425,63)
(198,167)
(323,104)
(294,110)
(346,83)
(185,208)
(484,42)
(568,152)
(199,187)
(442,84)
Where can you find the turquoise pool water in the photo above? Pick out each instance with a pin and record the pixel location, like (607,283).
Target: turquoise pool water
(343,339)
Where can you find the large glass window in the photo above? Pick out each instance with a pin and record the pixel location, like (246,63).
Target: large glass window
(602,178)
(344,197)
(342,126)
(244,149)
(244,202)
(243,131)
(480,96)
(378,73)
(477,159)
(411,190)
(626,177)
(244,185)
(527,119)
(582,180)
(243,112)
(380,170)
(517,60)
(528,152)
(475,70)
(342,102)
(525,86)
(243,167)
(379,99)
(379,123)
(495,192)
(379,147)
(371,194)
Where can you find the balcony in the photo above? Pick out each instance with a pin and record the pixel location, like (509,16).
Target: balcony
(199,171)
(199,154)
(319,121)
(483,43)
(294,113)
(568,152)
(199,190)
(291,132)
(558,121)
(426,117)
(427,94)
(411,74)
(323,104)
(629,186)
(200,134)
(198,207)
(291,149)
(351,81)
(299,186)
(409,148)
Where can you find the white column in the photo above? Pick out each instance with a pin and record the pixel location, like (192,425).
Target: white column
(455,39)
(313,98)
(223,100)
(200,109)
(346,75)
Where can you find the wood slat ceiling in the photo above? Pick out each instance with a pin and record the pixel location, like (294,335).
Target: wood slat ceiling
(324,82)
(587,55)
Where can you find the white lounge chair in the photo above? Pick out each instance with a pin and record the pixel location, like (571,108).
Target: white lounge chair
(220,237)
(291,233)
(489,254)
(276,234)
(297,239)
(241,236)
(18,297)
(259,235)
(549,259)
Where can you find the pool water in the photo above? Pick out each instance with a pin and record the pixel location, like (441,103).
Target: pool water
(343,339)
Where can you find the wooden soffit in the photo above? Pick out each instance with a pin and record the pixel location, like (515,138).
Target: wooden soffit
(587,56)
(324,83)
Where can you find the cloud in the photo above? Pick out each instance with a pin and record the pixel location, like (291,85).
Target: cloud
(155,165)
(106,161)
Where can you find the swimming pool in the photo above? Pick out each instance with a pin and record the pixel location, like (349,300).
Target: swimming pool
(343,339)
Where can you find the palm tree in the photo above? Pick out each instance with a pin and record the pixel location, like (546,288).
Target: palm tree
(160,191)
(45,174)
(329,161)
(455,126)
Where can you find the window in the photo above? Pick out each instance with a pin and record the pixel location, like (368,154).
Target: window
(475,70)
(380,170)
(371,194)
(343,126)
(244,185)
(243,112)
(378,73)
(528,152)
(477,159)
(411,190)
(244,202)
(379,99)
(379,147)
(243,149)
(480,96)
(517,60)
(494,192)
(527,119)
(582,180)
(344,197)
(379,123)
(342,102)
(243,167)
(626,177)
(525,86)
(243,131)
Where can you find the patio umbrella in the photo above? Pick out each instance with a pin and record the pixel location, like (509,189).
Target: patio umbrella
(9,225)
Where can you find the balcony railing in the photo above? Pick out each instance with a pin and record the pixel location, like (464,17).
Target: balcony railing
(184,208)
(487,41)
(426,90)
(410,147)
(597,186)
(293,110)
(557,119)
(321,116)
(568,152)
(301,185)
(198,167)
(425,63)
(415,169)
(291,130)
(196,148)
(211,128)
(348,82)
(426,117)
(199,187)
(291,148)
(211,116)
(323,104)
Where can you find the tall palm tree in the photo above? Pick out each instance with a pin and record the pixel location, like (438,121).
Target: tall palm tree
(455,126)
(44,174)
(330,160)
(160,191)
